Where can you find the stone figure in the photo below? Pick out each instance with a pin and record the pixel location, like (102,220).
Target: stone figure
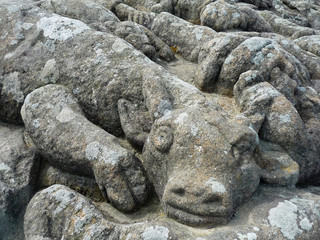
(99,108)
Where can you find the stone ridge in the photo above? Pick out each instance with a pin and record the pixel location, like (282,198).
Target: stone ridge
(160,119)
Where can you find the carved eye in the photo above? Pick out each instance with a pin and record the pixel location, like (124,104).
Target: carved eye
(163,138)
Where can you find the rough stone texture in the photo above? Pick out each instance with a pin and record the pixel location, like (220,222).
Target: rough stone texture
(272,213)
(284,26)
(196,188)
(310,44)
(221,16)
(277,121)
(49,175)
(85,10)
(104,20)
(18,168)
(183,37)
(67,140)
(96,100)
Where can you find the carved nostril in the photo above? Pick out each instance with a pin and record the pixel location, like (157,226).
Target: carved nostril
(213,198)
(178,191)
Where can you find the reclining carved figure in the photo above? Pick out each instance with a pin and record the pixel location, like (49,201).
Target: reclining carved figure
(112,83)
(200,161)
(283,107)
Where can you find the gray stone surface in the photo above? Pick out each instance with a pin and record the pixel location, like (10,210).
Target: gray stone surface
(67,140)
(182,36)
(18,172)
(272,213)
(105,110)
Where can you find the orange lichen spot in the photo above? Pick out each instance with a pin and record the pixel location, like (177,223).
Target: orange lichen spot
(81,214)
(292,168)
(195,22)
(175,49)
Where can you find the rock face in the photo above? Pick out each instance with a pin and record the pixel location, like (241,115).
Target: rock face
(273,212)
(95,85)
(18,172)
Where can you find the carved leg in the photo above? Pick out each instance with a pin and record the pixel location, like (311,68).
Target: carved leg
(61,213)
(67,140)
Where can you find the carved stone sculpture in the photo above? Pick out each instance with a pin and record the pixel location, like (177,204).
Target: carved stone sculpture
(92,82)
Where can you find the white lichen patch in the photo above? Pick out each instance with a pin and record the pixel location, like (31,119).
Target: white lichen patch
(258,58)
(248,236)
(256,43)
(36,123)
(165,117)
(13,8)
(256,229)
(61,28)
(83,220)
(100,57)
(284,216)
(180,119)
(34,106)
(64,197)
(199,33)
(217,187)
(4,167)
(98,152)
(11,86)
(194,130)
(164,107)
(50,72)
(9,55)
(120,45)
(155,233)
(27,26)
(305,224)
(285,118)
(229,59)
(66,115)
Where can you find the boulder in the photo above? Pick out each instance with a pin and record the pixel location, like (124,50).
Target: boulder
(183,37)
(19,163)
(273,212)
(70,142)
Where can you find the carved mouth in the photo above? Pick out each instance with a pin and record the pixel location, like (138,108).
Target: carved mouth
(209,219)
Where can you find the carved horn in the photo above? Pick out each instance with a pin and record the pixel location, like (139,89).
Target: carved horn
(157,98)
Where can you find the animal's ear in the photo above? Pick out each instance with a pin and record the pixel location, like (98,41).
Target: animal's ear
(156,96)
(135,122)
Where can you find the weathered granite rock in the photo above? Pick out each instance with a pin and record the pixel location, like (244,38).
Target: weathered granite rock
(205,164)
(183,37)
(67,140)
(195,187)
(261,4)
(309,43)
(104,20)
(309,60)
(85,10)
(189,10)
(121,72)
(221,15)
(18,168)
(284,26)
(49,175)
(303,13)
(263,55)
(272,213)
(211,58)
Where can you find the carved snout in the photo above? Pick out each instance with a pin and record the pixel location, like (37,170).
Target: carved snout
(197,200)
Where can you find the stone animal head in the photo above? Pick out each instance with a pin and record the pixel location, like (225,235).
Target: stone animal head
(198,159)
(201,164)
